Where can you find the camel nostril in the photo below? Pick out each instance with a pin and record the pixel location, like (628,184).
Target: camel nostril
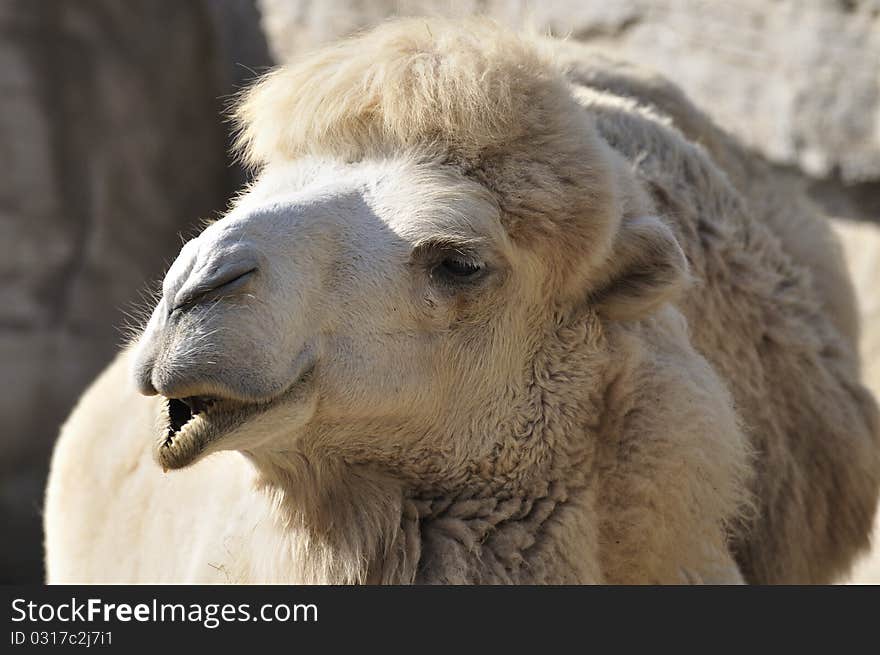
(227,281)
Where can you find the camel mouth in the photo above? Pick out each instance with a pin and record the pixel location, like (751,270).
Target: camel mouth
(188,426)
(191,424)
(182,410)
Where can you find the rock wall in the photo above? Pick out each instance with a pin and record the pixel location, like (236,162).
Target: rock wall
(112,145)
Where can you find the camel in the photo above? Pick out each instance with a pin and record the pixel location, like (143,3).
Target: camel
(495,310)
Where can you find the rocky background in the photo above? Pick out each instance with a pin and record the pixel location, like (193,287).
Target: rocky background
(113,147)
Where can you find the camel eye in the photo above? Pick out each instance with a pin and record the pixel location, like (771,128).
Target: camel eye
(459,268)
(450,265)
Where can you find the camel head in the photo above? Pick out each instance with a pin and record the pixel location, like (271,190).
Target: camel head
(431,207)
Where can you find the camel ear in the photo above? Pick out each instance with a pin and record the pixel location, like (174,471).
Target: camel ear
(646,269)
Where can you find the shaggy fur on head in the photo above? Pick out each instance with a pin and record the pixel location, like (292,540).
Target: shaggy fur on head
(467,87)
(687,406)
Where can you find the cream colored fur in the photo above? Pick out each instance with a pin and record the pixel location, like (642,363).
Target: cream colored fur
(658,383)
(861,243)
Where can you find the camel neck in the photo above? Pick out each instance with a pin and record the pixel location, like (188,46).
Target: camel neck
(342,525)
(498,540)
